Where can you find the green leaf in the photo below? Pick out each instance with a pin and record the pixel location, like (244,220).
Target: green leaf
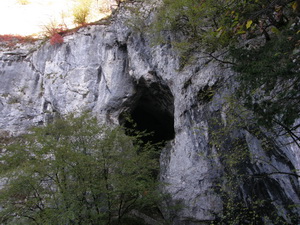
(241,32)
(295,5)
(275,30)
(248,24)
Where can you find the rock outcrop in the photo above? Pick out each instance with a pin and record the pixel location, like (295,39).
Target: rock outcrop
(112,71)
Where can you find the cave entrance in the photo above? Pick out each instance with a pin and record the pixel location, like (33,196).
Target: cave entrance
(152,111)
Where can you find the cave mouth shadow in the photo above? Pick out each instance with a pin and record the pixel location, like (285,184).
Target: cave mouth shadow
(152,111)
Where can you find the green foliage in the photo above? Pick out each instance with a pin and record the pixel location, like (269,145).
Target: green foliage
(215,24)
(184,18)
(77,172)
(242,186)
(268,95)
(269,78)
(268,71)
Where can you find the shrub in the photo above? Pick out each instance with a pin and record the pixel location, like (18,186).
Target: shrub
(24,2)
(56,39)
(54,27)
(81,12)
(54,31)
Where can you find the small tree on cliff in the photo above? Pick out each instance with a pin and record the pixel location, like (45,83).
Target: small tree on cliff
(76,172)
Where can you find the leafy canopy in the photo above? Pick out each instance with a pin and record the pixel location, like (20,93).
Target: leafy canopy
(76,172)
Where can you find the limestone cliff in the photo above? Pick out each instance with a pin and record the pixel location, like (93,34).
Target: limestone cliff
(111,70)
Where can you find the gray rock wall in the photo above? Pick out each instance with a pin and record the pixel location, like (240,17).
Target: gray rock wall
(111,70)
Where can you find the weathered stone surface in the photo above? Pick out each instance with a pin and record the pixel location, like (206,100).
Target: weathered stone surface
(110,69)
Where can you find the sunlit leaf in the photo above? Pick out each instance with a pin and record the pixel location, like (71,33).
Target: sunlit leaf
(241,32)
(249,23)
(220,28)
(295,5)
(274,30)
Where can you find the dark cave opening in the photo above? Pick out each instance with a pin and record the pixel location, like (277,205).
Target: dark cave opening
(152,111)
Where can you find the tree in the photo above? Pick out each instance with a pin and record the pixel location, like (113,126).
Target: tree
(269,79)
(250,36)
(259,39)
(77,172)
(244,185)
(215,24)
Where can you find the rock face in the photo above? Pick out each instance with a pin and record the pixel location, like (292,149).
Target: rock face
(113,71)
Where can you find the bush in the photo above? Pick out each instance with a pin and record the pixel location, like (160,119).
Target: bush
(81,12)
(56,39)
(53,31)
(24,2)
